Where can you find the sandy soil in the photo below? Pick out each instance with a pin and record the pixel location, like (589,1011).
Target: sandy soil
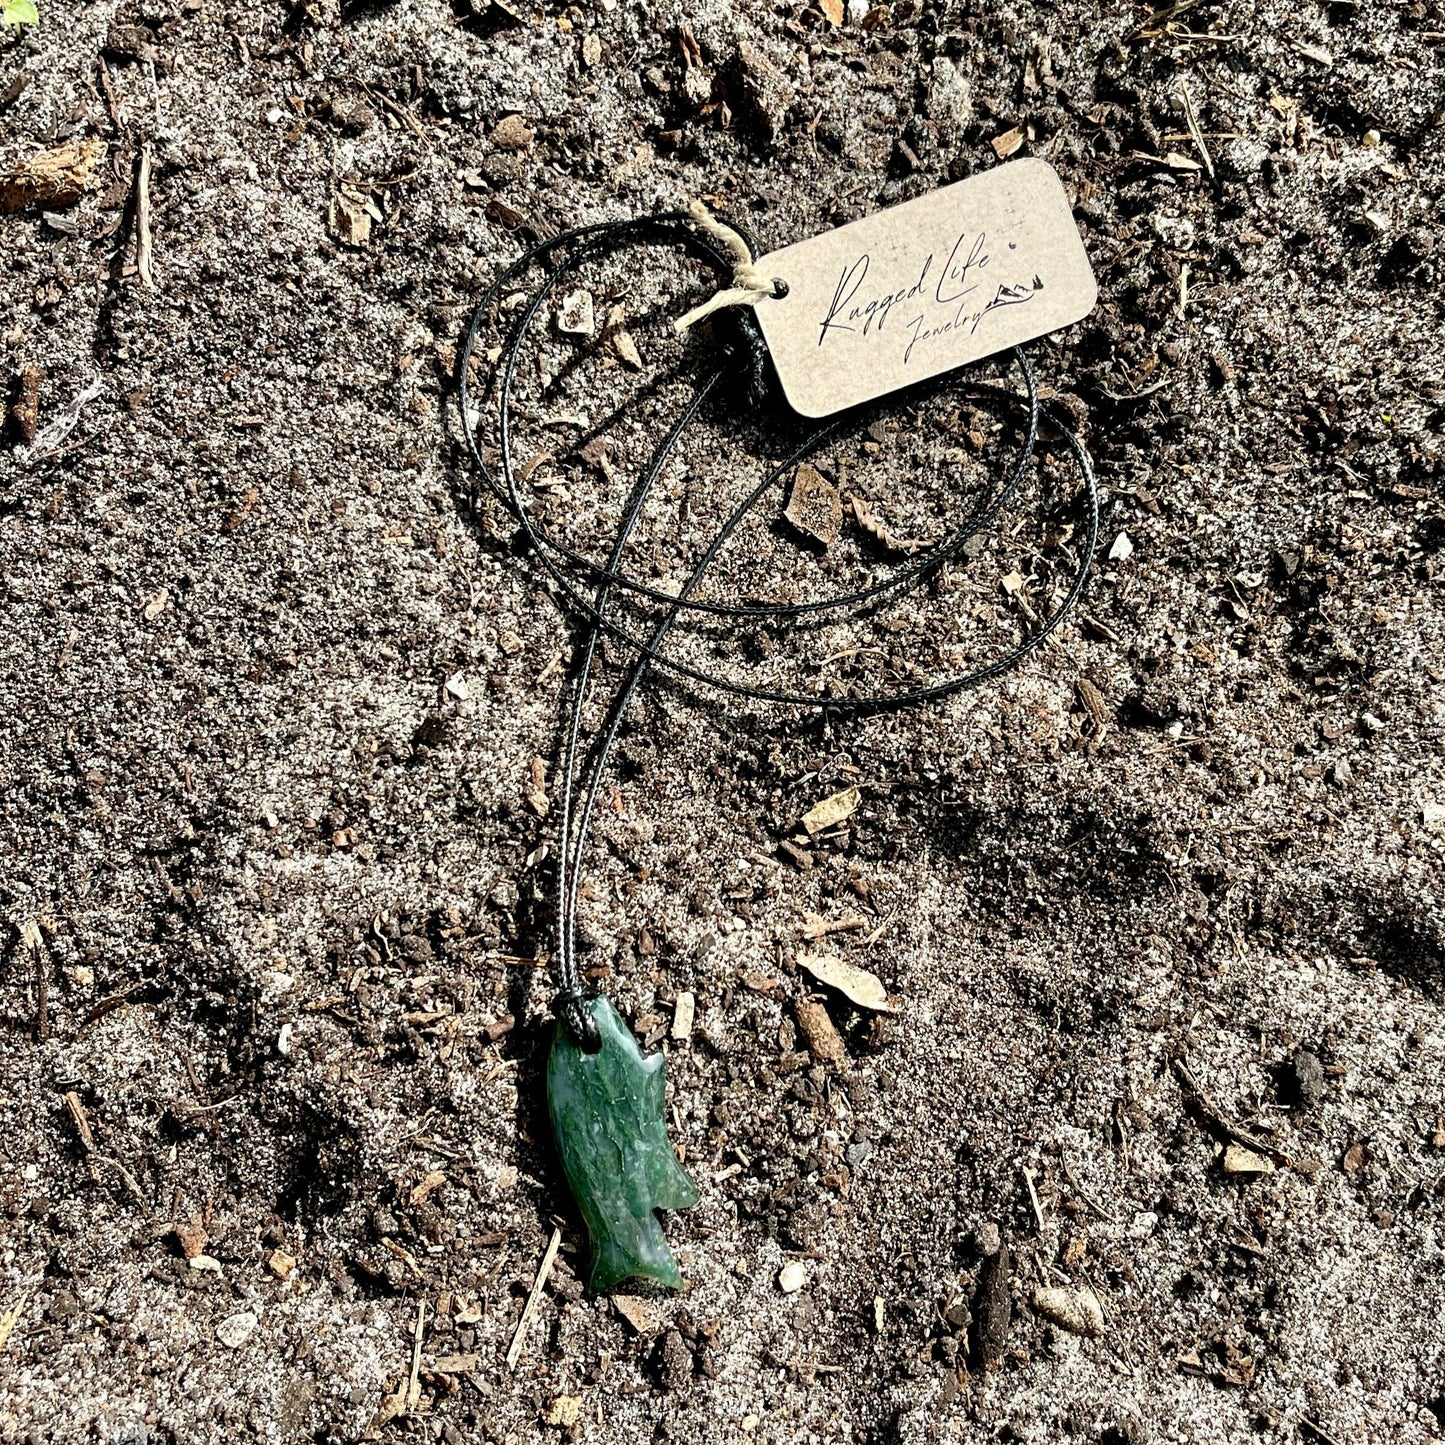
(272,1043)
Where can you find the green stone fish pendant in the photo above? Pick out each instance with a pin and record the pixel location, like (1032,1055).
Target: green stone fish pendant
(607,1115)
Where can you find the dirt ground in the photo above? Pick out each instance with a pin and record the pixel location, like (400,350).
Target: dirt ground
(1161,912)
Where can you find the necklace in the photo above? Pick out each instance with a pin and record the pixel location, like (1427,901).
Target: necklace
(605,1097)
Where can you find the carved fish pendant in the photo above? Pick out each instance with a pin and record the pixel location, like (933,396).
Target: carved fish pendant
(607,1117)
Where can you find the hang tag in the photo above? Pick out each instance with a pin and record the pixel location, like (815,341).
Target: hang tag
(924,287)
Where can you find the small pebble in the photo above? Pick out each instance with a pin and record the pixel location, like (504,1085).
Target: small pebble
(793,1276)
(1308,1079)
(235,1330)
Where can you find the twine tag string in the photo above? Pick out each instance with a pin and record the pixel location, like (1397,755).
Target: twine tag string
(750,284)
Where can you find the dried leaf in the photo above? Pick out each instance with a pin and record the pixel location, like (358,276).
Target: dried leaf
(193,1238)
(857,985)
(1076,1308)
(512,133)
(350,221)
(877,529)
(1094,703)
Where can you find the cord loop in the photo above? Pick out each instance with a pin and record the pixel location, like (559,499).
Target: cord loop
(586,587)
(571,1007)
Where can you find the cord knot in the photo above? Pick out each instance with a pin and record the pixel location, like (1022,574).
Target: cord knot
(750,284)
(571,1008)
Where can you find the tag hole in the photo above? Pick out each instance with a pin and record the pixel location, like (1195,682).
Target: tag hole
(780,288)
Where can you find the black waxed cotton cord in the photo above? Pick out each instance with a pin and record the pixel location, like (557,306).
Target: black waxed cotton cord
(742,362)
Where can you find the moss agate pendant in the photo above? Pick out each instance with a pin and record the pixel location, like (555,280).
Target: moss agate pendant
(607,1116)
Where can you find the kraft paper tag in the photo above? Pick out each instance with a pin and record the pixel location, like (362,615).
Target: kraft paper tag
(923,287)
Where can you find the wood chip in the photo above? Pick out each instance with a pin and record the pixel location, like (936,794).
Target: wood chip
(641,1314)
(434,1180)
(993,1307)
(619,340)
(26,408)
(280,1263)
(1239,1160)
(814,506)
(832,811)
(1008,143)
(823,1040)
(455,1364)
(832,12)
(857,985)
(1076,1308)
(683,1013)
(57,177)
(77,1117)
(815,926)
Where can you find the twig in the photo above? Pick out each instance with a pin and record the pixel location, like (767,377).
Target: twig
(30,936)
(127,1176)
(82,1124)
(533,1299)
(1204,1102)
(115,1001)
(1034,1197)
(111,103)
(1192,121)
(143,219)
(1079,1190)
(400,112)
(413,1389)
